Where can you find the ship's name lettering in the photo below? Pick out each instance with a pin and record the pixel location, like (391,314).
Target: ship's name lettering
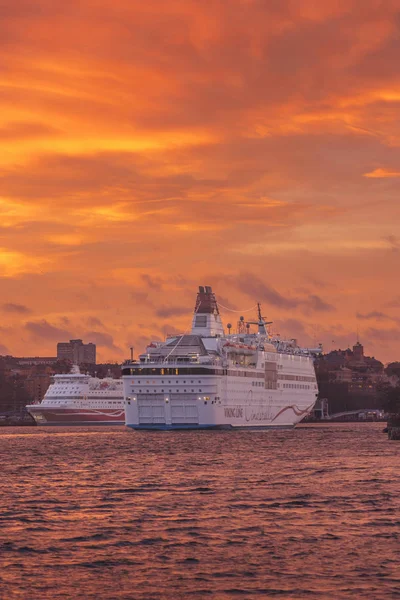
(261,415)
(236,413)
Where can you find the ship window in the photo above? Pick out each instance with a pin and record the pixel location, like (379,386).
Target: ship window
(201,321)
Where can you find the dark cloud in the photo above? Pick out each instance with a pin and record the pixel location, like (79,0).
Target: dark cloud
(256,289)
(94,322)
(19,309)
(102,339)
(314,302)
(172,311)
(154,283)
(140,297)
(290,325)
(382,335)
(44,329)
(3,350)
(376,315)
(253,287)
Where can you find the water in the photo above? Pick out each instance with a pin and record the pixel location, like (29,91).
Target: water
(115,514)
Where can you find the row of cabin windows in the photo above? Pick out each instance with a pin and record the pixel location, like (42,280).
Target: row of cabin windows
(138,381)
(296,386)
(297,378)
(84,402)
(169,391)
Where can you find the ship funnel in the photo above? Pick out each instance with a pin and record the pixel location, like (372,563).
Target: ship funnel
(206,319)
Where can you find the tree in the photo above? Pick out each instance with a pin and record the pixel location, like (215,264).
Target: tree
(393,369)
(390,398)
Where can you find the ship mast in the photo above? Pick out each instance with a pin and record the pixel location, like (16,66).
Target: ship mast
(261,322)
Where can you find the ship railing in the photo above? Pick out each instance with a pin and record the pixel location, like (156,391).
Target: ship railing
(176,360)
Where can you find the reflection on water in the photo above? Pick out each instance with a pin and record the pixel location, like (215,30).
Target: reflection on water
(312,512)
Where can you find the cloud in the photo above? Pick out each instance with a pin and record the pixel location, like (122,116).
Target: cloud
(165,144)
(383,335)
(394,303)
(172,311)
(102,339)
(19,309)
(393,241)
(382,174)
(375,315)
(316,303)
(140,297)
(3,350)
(26,130)
(253,287)
(153,283)
(44,329)
(94,322)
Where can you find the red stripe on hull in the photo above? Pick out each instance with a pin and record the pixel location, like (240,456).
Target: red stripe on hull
(45,416)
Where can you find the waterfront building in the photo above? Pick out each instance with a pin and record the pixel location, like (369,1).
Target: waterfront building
(76,352)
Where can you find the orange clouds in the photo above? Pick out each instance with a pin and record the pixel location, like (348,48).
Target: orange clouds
(189,142)
(382,173)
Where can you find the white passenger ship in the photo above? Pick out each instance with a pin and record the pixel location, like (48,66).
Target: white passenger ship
(207,379)
(79,399)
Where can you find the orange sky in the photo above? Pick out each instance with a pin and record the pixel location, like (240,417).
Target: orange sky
(149,147)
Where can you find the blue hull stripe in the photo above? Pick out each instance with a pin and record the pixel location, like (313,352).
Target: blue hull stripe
(199,427)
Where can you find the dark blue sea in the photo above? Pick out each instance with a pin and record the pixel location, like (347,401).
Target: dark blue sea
(115,514)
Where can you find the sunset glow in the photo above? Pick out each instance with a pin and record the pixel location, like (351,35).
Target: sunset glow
(147,148)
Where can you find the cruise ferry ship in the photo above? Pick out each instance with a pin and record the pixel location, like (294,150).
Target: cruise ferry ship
(206,379)
(79,399)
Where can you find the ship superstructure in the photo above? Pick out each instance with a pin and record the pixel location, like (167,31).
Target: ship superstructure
(79,399)
(206,379)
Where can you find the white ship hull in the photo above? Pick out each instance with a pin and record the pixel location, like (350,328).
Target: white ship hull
(55,416)
(206,379)
(78,399)
(195,415)
(239,401)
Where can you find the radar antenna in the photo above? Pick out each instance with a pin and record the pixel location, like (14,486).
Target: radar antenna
(262,322)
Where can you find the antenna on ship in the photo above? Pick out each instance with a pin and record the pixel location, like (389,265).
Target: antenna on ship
(262,322)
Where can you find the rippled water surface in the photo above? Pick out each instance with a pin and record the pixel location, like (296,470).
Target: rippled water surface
(313,512)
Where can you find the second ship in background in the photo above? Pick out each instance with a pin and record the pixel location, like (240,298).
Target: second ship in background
(79,399)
